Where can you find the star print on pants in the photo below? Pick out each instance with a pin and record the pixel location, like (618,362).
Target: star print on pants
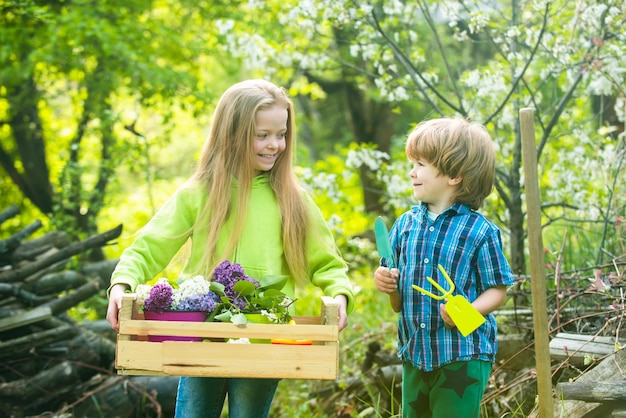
(421,403)
(458,380)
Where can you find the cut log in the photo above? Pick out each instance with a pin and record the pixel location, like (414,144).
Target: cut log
(592,391)
(56,282)
(24,296)
(9,245)
(100,269)
(49,364)
(20,346)
(579,349)
(145,396)
(607,371)
(9,213)
(67,252)
(33,248)
(72,299)
(26,318)
(25,390)
(102,328)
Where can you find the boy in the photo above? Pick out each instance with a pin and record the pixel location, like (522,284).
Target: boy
(444,373)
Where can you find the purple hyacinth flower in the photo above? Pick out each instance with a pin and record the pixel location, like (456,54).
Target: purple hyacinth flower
(203,303)
(160,298)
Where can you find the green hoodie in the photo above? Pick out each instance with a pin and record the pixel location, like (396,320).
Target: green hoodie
(259,251)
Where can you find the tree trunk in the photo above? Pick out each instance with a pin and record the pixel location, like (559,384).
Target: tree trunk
(23,100)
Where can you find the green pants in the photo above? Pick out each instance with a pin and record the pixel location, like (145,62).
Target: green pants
(454,390)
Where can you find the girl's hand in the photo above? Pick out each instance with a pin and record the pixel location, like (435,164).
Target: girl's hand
(115,304)
(386,280)
(342,301)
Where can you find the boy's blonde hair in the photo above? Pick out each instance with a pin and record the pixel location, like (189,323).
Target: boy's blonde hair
(459,149)
(227,155)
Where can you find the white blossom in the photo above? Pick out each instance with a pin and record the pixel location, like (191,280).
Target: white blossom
(366,156)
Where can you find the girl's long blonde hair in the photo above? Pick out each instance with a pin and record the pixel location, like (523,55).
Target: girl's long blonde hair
(227,155)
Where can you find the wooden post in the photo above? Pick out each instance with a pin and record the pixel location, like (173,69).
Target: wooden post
(538,279)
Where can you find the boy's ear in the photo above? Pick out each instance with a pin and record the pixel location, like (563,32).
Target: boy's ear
(455,180)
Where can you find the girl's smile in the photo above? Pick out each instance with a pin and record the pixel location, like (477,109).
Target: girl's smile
(270,137)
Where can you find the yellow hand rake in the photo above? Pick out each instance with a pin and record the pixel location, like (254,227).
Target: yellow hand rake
(463,314)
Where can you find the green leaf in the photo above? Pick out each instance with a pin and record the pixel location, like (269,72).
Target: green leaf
(273,293)
(239,319)
(273,282)
(223,317)
(244,287)
(216,288)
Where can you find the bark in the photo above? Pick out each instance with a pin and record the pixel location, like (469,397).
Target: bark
(592,391)
(57,282)
(81,294)
(49,364)
(8,213)
(31,249)
(63,254)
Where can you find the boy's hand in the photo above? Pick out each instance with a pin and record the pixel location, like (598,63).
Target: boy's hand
(386,280)
(447,321)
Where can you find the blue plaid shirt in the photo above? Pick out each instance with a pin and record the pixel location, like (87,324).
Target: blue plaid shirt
(469,248)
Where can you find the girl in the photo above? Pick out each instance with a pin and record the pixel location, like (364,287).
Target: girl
(243,203)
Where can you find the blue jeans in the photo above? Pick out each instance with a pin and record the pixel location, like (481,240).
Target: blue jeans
(203,397)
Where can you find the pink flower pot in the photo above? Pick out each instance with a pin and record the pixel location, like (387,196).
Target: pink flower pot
(174,316)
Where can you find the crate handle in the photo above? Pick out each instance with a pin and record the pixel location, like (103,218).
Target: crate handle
(330,311)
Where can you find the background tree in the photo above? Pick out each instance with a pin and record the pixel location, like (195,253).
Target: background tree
(81,81)
(484,61)
(78,82)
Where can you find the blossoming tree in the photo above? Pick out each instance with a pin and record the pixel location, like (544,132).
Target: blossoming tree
(482,60)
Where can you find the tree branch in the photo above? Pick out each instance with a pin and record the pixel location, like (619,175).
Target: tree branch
(410,69)
(513,88)
(444,56)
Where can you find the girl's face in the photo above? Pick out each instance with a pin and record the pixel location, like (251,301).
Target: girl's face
(432,187)
(269,139)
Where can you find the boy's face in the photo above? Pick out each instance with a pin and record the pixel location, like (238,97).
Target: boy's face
(432,187)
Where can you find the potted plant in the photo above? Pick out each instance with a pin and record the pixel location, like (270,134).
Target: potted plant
(189,300)
(230,296)
(241,296)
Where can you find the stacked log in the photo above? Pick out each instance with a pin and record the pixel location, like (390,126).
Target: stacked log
(51,365)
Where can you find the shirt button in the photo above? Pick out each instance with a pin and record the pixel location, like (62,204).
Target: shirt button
(431,229)
(426,261)
(422,325)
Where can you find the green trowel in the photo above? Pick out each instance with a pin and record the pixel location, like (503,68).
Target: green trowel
(382,241)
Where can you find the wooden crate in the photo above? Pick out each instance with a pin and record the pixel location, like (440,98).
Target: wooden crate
(137,356)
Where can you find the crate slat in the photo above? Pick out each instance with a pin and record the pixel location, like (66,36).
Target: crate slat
(136,356)
(227,360)
(229,330)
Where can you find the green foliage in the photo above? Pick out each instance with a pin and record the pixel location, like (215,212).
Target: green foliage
(98,83)
(123,91)
(465,58)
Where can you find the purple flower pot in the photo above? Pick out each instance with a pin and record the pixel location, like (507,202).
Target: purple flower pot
(174,316)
